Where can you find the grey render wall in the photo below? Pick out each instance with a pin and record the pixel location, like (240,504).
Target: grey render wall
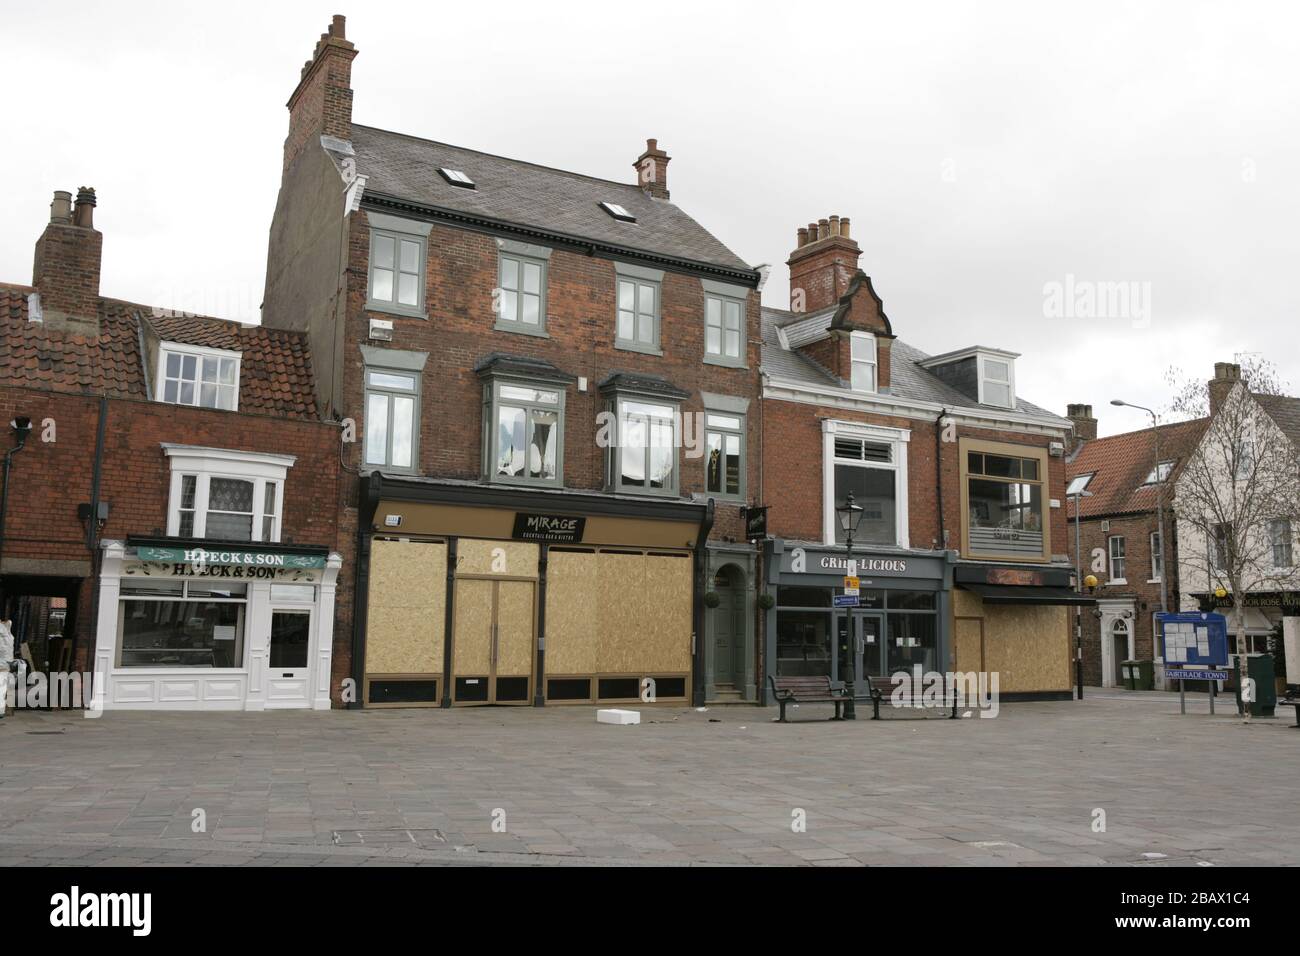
(961,375)
(306,256)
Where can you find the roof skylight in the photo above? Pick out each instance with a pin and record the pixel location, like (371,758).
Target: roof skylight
(457,178)
(617,211)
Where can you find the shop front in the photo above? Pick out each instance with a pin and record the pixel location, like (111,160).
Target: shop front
(201,625)
(901,620)
(471,594)
(1016,621)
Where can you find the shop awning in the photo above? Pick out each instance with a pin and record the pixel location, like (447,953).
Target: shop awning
(1013,594)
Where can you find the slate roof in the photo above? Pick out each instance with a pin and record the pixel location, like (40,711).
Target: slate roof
(526,194)
(275,368)
(908,380)
(1285,411)
(1120,465)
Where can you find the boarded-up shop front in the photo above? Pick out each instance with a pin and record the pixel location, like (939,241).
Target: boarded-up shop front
(478,595)
(1017,622)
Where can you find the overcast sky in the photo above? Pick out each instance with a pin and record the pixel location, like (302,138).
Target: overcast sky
(1002,164)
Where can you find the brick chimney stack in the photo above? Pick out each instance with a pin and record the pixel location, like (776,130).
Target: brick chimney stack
(66,267)
(1226,375)
(652,170)
(1085,426)
(824,262)
(321,105)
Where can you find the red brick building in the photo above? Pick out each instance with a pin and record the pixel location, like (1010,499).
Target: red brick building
(961,542)
(550,380)
(170,519)
(1119,480)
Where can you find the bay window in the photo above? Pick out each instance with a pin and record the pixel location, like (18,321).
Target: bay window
(524,433)
(224,495)
(1002,490)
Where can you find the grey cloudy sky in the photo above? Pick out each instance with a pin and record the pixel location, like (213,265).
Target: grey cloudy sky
(993,158)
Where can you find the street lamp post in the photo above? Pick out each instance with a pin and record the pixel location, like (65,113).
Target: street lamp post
(1078,586)
(850,514)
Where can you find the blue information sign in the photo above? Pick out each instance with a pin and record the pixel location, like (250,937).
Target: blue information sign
(846,600)
(1183,673)
(1193,637)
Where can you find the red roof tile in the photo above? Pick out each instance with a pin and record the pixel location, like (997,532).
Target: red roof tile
(275,365)
(1120,465)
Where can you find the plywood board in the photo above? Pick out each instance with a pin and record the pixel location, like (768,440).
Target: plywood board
(472,638)
(515,622)
(517,559)
(406,607)
(1029,647)
(572,612)
(967,644)
(645,614)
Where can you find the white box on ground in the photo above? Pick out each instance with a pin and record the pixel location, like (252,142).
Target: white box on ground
(614,716)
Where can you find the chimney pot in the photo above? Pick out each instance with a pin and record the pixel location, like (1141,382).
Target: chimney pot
(337,26)
(844,227)
(61,207)
(823,228)
(835,225)
(85,214)
(802,237)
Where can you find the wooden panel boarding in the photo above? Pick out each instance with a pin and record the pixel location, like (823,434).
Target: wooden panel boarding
(645,614)
(572,612)
(406,607)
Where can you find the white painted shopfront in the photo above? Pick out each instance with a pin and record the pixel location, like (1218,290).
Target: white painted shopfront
(193,625)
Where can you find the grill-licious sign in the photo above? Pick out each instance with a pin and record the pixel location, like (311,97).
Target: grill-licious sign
(799,561)
(245,559)
(543,527)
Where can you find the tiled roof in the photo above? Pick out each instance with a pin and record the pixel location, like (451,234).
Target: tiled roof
(275,366)
(513,191)
(1285,411)
(908,379)
(1120,465)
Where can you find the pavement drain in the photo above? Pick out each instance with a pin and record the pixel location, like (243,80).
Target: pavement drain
(388,837)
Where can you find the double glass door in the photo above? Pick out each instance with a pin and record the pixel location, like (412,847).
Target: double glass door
(861,648)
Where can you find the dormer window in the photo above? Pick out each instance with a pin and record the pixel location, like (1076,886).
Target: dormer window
(1079,484)
(863,355)
(457,178)
(1160,473)
(194,375)
(997,385)
(618,212)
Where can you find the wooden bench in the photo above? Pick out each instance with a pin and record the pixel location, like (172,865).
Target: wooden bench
(807,690)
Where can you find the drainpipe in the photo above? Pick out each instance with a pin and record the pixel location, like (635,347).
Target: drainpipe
(92,528)
(938,475)
(697,652)
(22,427)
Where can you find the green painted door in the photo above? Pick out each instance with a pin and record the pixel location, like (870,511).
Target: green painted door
(728,630)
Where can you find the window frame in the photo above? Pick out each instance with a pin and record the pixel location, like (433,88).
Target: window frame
(726,295)
(1153,542)
(966,446)
(981,356)
(726,432)
(899,440)
(1155,477)
(614,453)
(492,401)
(199,353)
(639,276)
(1284,540)
(1113,559)
(873,362)
(1220,546)
(518,324)
(1087,480)
(398,229)
(204,464)
(390,392)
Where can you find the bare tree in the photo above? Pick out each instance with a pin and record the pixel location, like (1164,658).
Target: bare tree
(1239,481)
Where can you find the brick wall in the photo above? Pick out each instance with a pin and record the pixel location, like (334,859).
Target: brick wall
(50,478)
(793,473)
(460,276)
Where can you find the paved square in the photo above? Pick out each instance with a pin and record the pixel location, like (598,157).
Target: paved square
(720,787)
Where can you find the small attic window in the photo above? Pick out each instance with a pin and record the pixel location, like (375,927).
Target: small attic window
(617,211)
(457,178)
(1160,473)
(1079,484)
(997,382)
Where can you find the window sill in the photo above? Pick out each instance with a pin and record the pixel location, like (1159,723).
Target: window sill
(724,361)
(519,328)
(645,493)
(1114,581)
(1153,581)
(388,308)
(637,347)
(500,482)
(367,469)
